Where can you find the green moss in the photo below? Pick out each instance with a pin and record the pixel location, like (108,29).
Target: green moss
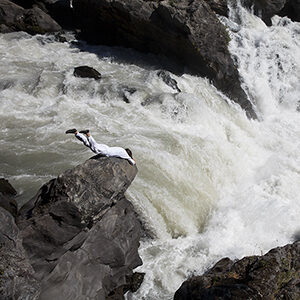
(227,37)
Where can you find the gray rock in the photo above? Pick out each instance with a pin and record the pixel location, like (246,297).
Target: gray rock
(275,275)
(168,80)
(16,274)
(187,31)
(107,256)
(80,233)
(33,21)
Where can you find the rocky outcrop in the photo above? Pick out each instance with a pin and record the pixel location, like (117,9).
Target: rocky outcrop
(76,239)
(275,275)
(86,72)
(33,21)
(186,31)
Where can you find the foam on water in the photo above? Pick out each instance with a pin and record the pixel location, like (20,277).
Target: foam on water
(211,183)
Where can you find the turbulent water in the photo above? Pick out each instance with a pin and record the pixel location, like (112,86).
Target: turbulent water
(211,183)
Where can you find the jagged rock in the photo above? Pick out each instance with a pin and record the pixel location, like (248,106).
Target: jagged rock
(187,31)
(168,80)
(16,274)
(86,72)
(7,194)
(80,231)
(33,21)
(275,275)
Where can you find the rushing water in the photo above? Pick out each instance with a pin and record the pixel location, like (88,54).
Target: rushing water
(211,183)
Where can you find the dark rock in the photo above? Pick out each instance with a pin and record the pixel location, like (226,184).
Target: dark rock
(126,92)
(168,80)
(7,193)
(219,6)
(274,275)
(266,9)
(59,10)
(33,21)
(79,230)
(86,72)
(187,31)
(6,188)
(107,256)
(292,10)
(134,282)
(16,274)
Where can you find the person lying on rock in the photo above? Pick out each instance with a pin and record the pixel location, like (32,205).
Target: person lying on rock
(85,137)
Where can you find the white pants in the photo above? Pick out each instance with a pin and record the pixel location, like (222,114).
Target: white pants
(104,149)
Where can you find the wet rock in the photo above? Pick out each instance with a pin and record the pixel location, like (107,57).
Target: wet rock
(16,274)
(33,21)
(168,80)
(7,194)
(274,275)
(86,72)
(128,91)
(80,230)
(187,31)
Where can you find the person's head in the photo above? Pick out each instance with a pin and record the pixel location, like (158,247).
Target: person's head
(129,152)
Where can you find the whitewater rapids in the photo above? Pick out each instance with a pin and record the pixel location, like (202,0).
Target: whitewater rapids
(211,183)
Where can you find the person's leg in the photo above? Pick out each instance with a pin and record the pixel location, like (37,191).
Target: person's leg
(97,148)
(83,139)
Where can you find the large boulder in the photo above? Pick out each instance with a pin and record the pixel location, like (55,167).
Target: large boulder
(186,31)
(80,233)
(33,21)
(275,275)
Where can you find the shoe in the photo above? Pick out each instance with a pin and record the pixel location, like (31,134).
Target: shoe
(84,131)
(73,130)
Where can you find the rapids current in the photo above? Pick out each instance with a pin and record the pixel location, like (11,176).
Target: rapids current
(211,183)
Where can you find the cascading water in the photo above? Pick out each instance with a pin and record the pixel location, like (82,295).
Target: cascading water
(211,183)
